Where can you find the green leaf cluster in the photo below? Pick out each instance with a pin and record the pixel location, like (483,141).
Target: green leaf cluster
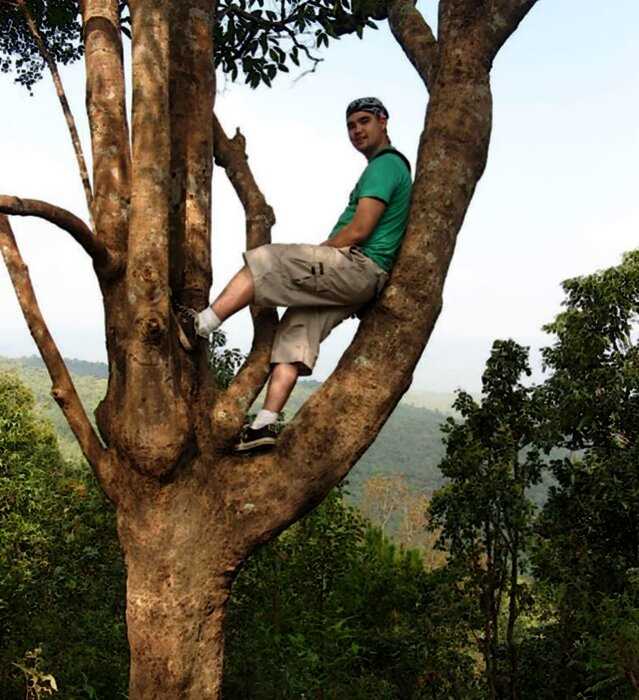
(254,39)
(61,31)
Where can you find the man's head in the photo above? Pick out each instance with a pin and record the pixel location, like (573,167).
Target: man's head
(366,120)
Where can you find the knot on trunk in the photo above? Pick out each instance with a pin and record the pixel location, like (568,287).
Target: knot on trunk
(152,329)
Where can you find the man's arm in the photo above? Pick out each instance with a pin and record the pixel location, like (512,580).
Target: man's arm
(367,215)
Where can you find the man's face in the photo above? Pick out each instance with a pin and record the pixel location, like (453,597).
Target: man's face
(367,132)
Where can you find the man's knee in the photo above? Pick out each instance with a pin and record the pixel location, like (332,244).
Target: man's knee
(285,371)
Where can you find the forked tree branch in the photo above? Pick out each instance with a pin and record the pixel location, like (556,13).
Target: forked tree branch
(106,264)
(64,103)
(63,390)
(504,17)
(231,407)
(416,38)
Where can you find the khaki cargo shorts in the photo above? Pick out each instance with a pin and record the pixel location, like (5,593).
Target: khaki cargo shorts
(321,285)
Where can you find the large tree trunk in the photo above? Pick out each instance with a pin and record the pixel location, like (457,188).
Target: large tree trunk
(190,513)
(179,576)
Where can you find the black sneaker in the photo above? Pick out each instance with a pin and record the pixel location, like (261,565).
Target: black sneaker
(259,439)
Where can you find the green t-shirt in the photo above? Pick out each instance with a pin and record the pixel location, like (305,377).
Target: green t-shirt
(387,178)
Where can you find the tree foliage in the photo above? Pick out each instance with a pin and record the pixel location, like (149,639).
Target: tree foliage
(59,24)
(254,39)
(61,574)
(334,609)
(484,513)
(588,547)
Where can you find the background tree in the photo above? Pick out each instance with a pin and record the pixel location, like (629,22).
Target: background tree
(399,510)
(189,513)
(588,548)
(484,512)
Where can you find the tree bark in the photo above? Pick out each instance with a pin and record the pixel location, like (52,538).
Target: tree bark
(190,512)
(179,572)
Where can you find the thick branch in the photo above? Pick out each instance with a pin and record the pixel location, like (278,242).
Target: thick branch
(231,406)
(106,108)
(415,37)
(153,433)
(192,89)
(57,81)
(148,255)
(489,23)
(62,390)
(105,263)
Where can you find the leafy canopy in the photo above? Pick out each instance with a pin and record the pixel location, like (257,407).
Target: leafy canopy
(254,39)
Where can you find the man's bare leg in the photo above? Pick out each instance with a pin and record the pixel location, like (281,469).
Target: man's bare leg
(237,294)
(280,385)
(262,433)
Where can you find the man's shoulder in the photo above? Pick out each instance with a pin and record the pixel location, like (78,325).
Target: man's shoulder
(392,157)
(391,163)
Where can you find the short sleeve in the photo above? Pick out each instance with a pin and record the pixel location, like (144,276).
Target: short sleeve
(380,178)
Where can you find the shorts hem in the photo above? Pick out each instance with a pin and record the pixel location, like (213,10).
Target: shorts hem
(304,361)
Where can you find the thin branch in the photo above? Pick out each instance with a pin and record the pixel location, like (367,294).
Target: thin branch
(416,38)
(64,103)
(231,406)
(230,154)
(280,24)
(63,390)
(104,261)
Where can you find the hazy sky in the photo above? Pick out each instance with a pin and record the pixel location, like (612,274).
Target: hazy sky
(558,198)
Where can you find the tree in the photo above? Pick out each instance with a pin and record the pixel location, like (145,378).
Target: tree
(189,513)
(484,513)
(588,547)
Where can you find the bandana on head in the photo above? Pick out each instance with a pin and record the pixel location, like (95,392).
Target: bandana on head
(367,104)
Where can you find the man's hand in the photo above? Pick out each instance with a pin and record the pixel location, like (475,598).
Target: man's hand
(367,215)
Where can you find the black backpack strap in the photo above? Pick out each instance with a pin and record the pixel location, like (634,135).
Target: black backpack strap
(394,152)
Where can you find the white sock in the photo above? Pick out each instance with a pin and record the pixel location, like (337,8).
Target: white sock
(206,322)
(263,418)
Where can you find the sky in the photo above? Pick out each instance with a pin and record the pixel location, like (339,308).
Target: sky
(558,197)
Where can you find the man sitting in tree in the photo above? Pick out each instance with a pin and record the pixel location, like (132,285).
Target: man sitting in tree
(322,284)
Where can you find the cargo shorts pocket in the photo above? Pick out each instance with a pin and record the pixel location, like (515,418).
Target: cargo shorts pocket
(311,276)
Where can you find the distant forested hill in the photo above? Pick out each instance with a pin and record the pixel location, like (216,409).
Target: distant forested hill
(79,368)
(91,386)
(409,444)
